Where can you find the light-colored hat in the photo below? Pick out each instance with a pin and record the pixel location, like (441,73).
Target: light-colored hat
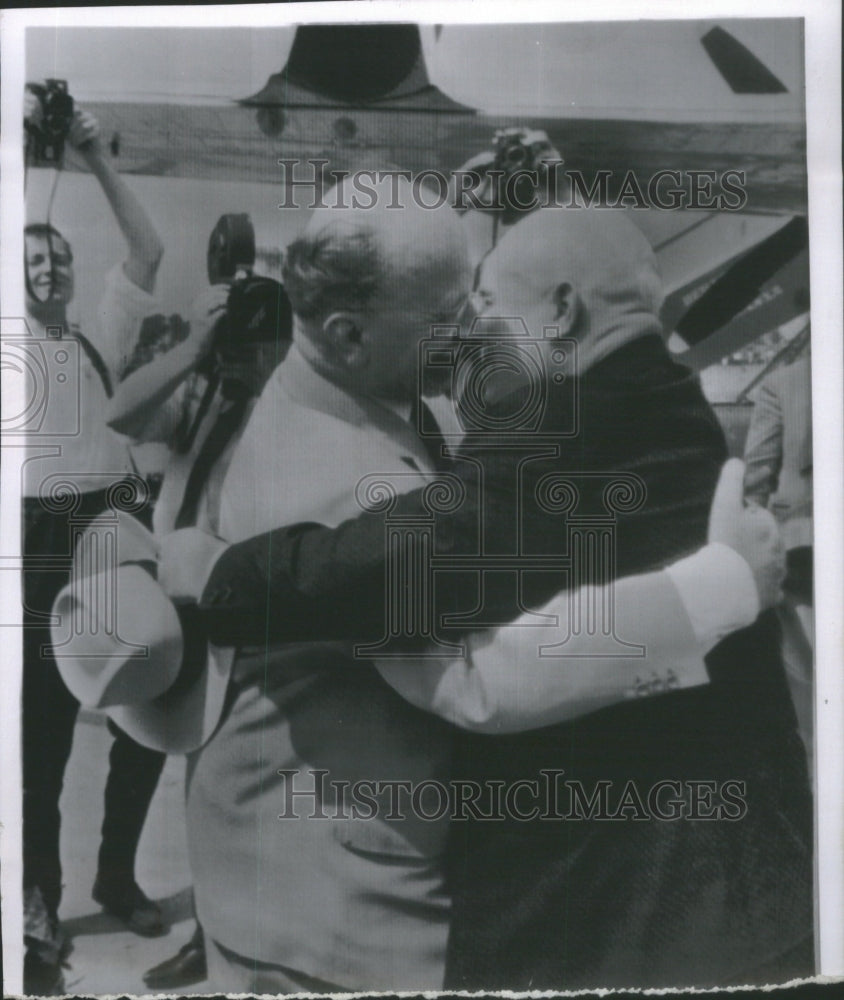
(122,646)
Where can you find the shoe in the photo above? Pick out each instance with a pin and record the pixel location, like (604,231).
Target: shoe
(123,898)
(186,967)
(42,978)
(46,946)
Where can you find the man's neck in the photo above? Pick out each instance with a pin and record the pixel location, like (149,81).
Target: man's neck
(356,394)
(400,406)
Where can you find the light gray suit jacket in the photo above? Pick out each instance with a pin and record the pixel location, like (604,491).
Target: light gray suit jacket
(778,451)
(354,901)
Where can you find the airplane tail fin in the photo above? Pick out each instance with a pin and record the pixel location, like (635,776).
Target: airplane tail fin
(375,66)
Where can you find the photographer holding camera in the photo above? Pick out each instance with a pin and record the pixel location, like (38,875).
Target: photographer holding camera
(81,370)
(197,398)
(168,401)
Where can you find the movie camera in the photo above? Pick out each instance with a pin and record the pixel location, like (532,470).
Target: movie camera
(258,309)
(47,137)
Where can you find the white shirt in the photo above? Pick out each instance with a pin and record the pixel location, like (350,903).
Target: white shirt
(72,442)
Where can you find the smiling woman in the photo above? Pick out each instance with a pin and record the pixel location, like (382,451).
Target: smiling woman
(184,212)
(49,264)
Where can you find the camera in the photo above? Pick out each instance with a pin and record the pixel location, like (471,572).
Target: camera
(499,381)
(48,137)
(519,149)
(258,309)
(511,153)
(525,177)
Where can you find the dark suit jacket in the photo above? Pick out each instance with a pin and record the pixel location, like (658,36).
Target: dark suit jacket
(553,904)
(640,900)
(309,581)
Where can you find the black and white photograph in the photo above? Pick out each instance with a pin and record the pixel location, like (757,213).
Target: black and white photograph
(409,508)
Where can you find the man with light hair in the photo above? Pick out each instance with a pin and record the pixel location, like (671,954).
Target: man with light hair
(289,903)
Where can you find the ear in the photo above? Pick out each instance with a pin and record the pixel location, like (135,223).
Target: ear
(344,338)
(567,307)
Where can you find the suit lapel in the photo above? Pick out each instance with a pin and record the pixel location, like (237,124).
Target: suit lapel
(433,441)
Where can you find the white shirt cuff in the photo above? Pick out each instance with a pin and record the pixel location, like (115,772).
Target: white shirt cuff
(718,591)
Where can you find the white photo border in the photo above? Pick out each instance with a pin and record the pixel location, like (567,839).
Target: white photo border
(822,19)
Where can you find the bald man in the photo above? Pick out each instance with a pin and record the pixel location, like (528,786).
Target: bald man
(527,907)
(617,897)
(615,893)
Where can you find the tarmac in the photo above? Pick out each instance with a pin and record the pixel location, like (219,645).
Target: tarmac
(106,957)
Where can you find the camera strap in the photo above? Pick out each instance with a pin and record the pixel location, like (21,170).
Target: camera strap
(476,278)
(188,429)
(222,431)
(96,359)
(101,368)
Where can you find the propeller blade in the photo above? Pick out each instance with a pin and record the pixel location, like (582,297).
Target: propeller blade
(742,282)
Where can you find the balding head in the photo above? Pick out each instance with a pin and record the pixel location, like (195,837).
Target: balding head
(589,272)
(366,285)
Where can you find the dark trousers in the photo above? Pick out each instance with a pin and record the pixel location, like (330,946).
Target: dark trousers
(49,716)
(799,565)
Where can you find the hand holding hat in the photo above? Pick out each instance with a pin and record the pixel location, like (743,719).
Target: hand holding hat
(185,562)
(123,646)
